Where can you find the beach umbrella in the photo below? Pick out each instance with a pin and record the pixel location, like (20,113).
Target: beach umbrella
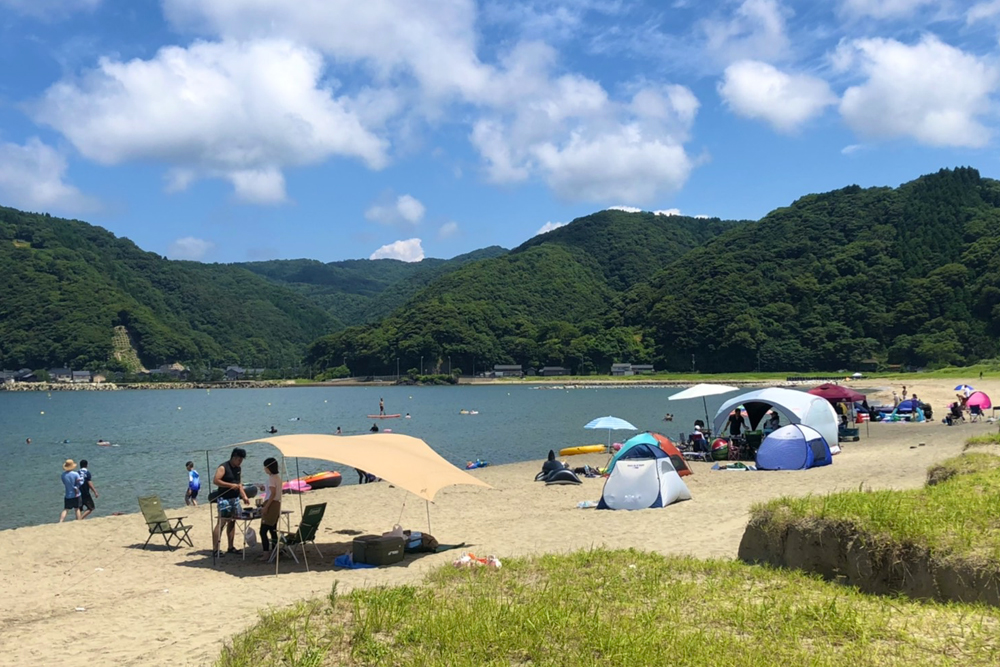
(835,393)
(965,389)
(610,423)
(701,391)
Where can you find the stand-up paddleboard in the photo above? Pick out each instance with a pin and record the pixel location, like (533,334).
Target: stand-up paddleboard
(583,449)
(384,416)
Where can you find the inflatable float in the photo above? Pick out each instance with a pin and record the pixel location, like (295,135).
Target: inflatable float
(323,480)
(582,449)
(295,486)
(384,416)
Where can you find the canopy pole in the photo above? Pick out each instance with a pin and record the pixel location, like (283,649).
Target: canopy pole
(400,521)
(704,403)
(299,477)
(428,516)
(211,517)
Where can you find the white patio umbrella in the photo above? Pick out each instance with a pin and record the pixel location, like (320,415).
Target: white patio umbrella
(610,423)
(701,391)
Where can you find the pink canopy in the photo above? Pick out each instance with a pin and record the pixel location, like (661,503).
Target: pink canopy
(980,399)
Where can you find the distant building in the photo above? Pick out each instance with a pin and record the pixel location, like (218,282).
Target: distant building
(60,375)
(174,370)
(642,369)
(235,373)
(549,371)
(7,377)
(504,370)
(621,369)
(97,378)
(81,376)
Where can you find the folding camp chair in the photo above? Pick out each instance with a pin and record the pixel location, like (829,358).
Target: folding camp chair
(159,524)
(306,532)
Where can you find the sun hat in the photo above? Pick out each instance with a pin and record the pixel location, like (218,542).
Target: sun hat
(697,428)
(69,465)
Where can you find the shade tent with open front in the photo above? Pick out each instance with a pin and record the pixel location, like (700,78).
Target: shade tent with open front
(797,406)
(402,460)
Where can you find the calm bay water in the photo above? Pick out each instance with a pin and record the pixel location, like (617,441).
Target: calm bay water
(157,431)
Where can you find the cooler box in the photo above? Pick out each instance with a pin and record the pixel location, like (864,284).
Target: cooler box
(378,549)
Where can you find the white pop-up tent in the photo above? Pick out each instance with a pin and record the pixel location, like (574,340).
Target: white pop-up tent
(643,480)
(797,407)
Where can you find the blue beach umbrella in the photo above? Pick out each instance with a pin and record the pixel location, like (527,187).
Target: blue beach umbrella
(610,423)
(965,389)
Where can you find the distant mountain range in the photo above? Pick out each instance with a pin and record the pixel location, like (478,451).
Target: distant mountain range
(907,275)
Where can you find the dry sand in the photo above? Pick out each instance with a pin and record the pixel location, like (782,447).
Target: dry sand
(160,607)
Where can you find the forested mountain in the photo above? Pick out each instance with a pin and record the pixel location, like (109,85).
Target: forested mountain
(358,291)
(555,299)
(65,284)
(909,275)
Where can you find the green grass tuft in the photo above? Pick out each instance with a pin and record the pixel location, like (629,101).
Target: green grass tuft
(609,608)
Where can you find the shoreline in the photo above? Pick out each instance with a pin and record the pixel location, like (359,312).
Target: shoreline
(142,606)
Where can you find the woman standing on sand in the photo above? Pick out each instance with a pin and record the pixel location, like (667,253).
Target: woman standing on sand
(271,511)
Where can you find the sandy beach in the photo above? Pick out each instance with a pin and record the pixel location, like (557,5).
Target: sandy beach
(86,590)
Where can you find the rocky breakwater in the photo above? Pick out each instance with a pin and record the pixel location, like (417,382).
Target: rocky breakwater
(111,386)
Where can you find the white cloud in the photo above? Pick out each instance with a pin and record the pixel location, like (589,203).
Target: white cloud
(389,210)
(931,91)
(32,177)
(852,149)
(758,90)
(756,30)
(884,9)
(430,40)
(549,226)
(982,11)
(702,216)
(49,9)
(189,247)
(409,250)
(668,212)
(447,230)
(240,111)
(627,209)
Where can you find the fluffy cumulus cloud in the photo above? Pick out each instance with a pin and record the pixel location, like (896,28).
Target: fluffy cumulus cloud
(930,91)
(49,9)
(756,29)
(586,146)
(447,230)
(409,250)
(32,177)
(234,110)
(390,210)
(627,209)
(668,212)
(758,90)
(884,9)
(549,226)
(189,247)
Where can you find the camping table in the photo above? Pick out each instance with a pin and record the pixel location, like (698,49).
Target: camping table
(243,521)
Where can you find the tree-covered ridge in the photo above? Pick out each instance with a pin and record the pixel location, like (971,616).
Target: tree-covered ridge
(359,291)
(907,275)
(552,300)
(64,286)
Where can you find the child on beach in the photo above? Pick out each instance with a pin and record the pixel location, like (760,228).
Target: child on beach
(87,490)
(271,511)
(194,485)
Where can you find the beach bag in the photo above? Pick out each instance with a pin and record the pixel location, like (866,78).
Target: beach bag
(250,537)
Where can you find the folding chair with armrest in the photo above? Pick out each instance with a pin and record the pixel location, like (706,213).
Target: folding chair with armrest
(158,523)
(306,532)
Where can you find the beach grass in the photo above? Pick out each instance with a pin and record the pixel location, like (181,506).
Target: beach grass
(955,515)
(607,607)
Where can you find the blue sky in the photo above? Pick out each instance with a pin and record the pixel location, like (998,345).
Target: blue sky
(234,130)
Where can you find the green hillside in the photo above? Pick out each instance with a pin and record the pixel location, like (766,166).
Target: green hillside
(65,285)
(909,275)
(555,299)
(359,291)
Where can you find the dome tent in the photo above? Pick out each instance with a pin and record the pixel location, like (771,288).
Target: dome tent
(645,479)
(793,447)
(796,406)
(637,447)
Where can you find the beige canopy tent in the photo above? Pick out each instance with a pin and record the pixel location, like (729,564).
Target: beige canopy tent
(403,460)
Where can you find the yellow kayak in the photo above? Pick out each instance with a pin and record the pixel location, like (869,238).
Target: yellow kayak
(583,449)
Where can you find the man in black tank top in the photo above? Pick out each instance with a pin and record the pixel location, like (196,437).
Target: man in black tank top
(228,479)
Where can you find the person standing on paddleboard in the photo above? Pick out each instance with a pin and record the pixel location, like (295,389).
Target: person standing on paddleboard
(381,406)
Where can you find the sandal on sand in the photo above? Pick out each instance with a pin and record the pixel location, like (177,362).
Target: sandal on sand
(232,550)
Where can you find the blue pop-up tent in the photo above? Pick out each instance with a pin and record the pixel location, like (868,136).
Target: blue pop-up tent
(793,447)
